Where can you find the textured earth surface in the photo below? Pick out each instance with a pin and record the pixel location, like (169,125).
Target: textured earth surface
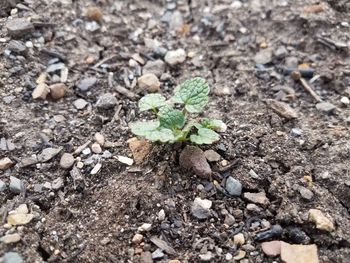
(281,143)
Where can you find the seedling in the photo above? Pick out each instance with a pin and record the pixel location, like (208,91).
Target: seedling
(174,125)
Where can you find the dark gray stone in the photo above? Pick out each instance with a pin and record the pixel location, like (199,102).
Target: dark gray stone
(19,27)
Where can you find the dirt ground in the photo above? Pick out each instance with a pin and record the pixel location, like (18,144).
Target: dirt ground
(244,50)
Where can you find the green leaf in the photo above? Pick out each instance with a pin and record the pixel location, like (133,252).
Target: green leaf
(193,93)
(170,118)
(151,101)
(205,136)
(151,131)
(211,124)
(142,128)
(161,134)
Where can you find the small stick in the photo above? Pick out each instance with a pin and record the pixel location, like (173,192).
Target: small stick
(297,76)
(81,148)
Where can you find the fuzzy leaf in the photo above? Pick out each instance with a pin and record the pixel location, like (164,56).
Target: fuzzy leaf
(151,101)
(142,128)
(211,124)
(161,134)
(170,118)
(205,136)
(193,93)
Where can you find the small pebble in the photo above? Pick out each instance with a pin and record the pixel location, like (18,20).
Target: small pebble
(67,160)
(306,193)
(212,156)
(80,104)
(99,138)
(272,248)
(106,101)
(201,208)
(96,148)
(325,107)
(322,222)
(157,254)
(149,82)
(12,257)
(57,91)
(16,185)
(125,160)
(5,163)
(137,239)
(96,169)
(239,239)
(145,227)
(10,238)
(345,101)
(233,186)
(175,57)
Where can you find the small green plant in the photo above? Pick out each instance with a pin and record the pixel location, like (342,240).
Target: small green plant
(173,125)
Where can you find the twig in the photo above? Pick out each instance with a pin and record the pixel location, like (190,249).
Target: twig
(81,147)
(297,76)
(103,61)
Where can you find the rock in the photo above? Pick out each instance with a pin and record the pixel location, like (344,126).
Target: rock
(19,27)
(176,21)
(57,91)
(239,239)
(10,238)
(140,149)
(149,82)
(296,235)
(229,219)
(212,156)
(17,47)
(96,169)
(48,153)
(5,163)
(92,26)
(345,101)
(106,101)
(87,83)
(67,160)
(104,241)
(207,257)
(41,91)
(264,56)
(99,138)
(281,52)
(55,67)
(137,239)
(157,254)
(201,208)
(156,67)
(192,158)
(241,254)
(298,253)
(175,57)
(296,132)
(228,257)
(322,222)
(257,198)
(272,248)
(282,109)
(174,261)
(80,104)
(233,186)
(2,186)
(28,161)
(125,160)
(163,245)
(146,257)
(57,184)
(145,227)
(325,107)
(12,257)
(306,193)
(94,13)
(161,215)
(96,148)
(291,62)
(19,219)
(274,232)
(16,185)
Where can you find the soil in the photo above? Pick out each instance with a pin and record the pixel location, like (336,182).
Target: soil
(97,220)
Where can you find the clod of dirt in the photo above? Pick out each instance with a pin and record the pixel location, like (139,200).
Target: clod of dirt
(149,82)
(193,158)
(212,156)
(94,13)
(106,101)
(298,253)
(5,163)
(57,91)
(322,222)
(140,149)
(175,57)
(282,109)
